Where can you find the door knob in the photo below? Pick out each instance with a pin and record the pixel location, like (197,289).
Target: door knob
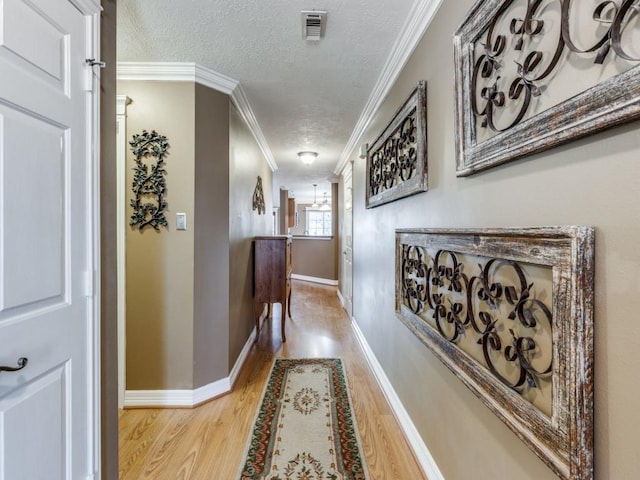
(22,362)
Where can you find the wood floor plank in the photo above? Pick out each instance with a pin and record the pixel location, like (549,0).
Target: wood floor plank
(208,442)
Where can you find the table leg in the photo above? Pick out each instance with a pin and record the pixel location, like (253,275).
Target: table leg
(284,315)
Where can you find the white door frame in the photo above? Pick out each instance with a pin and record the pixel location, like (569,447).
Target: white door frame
(121,173)
(91,9)
(346,295)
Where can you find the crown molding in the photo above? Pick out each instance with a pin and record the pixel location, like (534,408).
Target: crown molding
(175,72)
(87,7)
(417,23)
(240,101)
(192,72)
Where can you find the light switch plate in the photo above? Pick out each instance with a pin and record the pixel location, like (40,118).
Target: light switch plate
(181,221)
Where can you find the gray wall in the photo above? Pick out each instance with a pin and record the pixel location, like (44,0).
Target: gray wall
(108,266)
(594,181)
(246,163)
(211,237)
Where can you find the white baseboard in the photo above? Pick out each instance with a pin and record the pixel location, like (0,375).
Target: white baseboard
(233,376)
(341,298)
(176,398)
(324,281)
(189,398)
(420,450)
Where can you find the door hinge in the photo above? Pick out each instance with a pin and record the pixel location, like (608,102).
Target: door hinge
(92,62)
(91,74)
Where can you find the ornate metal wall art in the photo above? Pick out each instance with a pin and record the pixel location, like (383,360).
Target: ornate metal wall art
(258,198)
(499,312)
(397,160)
(510,313)
(533,74)
(149,186)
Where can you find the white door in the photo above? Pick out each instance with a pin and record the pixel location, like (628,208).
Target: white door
(347,240)
(48,408)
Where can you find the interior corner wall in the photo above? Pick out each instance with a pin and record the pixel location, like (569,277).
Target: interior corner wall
(591,181)
(246,163)
(210,226)
(159,264)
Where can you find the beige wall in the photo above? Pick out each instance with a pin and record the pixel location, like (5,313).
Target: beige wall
(211,236)
(594,181)
(246,163)
(314,257)
(160,263)
(189,293)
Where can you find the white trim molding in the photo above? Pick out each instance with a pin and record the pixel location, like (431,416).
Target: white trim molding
(324,281)
(175,72)
(417,23)
(91,11)
(121,214)
(192,72)
(235,371)
(87,7)
(189,398)
(420,450)
(176,398)
(340,297)
(242,104)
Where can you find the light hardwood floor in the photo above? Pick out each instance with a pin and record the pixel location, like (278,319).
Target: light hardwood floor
(208,442)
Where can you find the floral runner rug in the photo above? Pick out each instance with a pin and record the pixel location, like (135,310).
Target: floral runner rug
(305,427)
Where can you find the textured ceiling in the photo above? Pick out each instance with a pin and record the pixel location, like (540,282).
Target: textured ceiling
(305,95)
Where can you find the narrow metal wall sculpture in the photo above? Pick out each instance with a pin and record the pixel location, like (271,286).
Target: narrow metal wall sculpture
(149,186)
(510,313)
(397,160)
(258,198)
(533,74)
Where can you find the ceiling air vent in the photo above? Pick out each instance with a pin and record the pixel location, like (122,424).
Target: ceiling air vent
(313,24)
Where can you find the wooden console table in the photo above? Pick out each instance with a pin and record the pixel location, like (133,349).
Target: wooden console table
(272,276)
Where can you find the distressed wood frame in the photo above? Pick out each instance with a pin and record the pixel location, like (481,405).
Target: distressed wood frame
(606,104)
(405,157)
(563,439)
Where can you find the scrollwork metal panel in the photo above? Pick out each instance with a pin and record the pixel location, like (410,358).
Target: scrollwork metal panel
(509,311)
(533,74)
(149,185)
(257,201)
(397,160)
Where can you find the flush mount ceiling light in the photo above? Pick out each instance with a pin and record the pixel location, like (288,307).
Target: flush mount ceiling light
(307,157)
